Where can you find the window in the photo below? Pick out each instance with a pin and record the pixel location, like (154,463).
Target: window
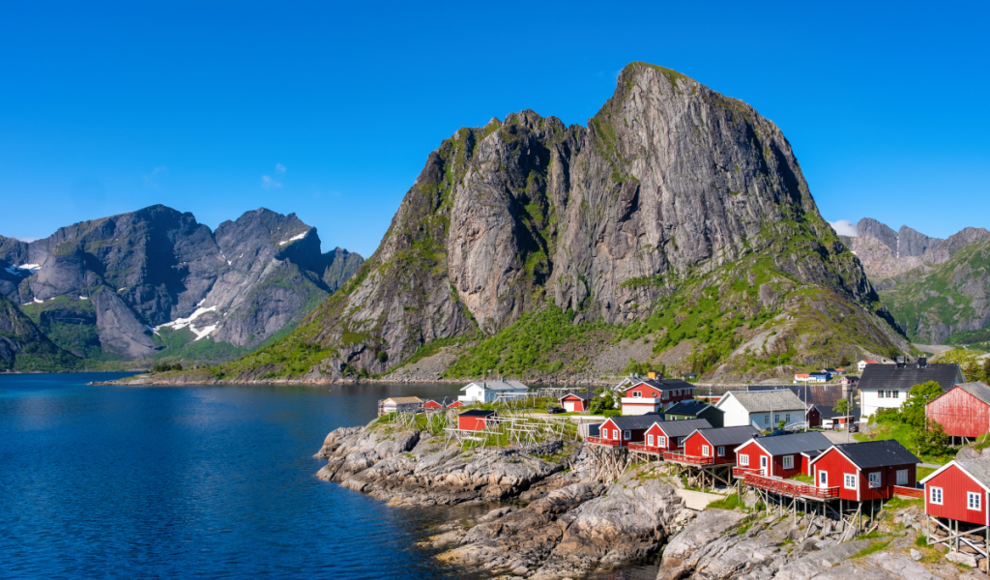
(788,462)
(897,394)
(637,394)
(680,442)
(850,481)
(655,394)
(787,417)
(663,441)
(935,495)
(627,435)
(766,419)
(649,440)
(615,433)
(879,394)
(972,500)
(744,460)
(666,395)
(704,451)
(902,477)
(823,479)
(721,451)
(874,479)
(776,418)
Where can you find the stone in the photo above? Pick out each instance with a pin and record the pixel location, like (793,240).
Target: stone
(916,555)
(962,558)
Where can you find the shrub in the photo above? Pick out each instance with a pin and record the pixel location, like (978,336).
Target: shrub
(165,367)
(612,413)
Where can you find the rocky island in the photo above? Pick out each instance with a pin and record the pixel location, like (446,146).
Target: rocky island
(552,520)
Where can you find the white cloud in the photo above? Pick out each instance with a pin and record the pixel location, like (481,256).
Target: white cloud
(268,183)
(279,168)
(151,180)
(844,228)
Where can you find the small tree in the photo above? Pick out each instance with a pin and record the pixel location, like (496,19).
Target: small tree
(383,359)
(913,410)
(842,407)
(933,440)
(606,402)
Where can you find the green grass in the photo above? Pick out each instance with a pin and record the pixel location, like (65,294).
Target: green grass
(873,548)
(904,434)
(803,478)
(730,502)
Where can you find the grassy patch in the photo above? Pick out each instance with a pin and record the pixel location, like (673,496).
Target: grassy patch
(731,502)
(873,548)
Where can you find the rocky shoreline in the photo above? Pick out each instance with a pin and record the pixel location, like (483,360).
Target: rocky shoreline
(552,521)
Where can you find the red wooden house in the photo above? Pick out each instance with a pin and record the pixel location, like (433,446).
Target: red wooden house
(455,404)
(475,419)
(653,395)
(620,431)
(669,435)
(782,456)
(960,491)
(866,471)
(963,411)
(576,402)
(443,403)
(714,446)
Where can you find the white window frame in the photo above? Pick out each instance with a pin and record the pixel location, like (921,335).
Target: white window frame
(649,441)
(637,394)
(615,434)
(935,495)
(744,460)
(680,442)
(788,461)
(897,394)
(903,477)
(720,451)
(822,479)
(846,478)
(874,479)
(663,442)
(705,450)
(970,503)
(764,463)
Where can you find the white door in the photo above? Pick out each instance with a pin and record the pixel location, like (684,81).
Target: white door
(763,465)
(569,406)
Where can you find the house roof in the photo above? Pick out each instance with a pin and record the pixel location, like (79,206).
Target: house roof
(661,384)
(684,428)
(729,435)
(632,422)
(877,377)
(978,469)
(794,443)
(765,401)
(498,386)
(478,413)
(869,454)
(403,400)
(810,394)
(689,408)
(583,395)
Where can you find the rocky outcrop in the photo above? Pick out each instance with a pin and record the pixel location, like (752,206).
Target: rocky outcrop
(157,269)
(24,347)
(672,191)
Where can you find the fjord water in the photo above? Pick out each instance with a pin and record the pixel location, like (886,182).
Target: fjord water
(208,482)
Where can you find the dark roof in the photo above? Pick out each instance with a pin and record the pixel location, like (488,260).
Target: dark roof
(810,394)
(828,412)
(729,435)
(795,443)
(877,453)
(662,384)
(631,422)
(583,395)
(903,378)
(685,427)
(689,408)
(477,413)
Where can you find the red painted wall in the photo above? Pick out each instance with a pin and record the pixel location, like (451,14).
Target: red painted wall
(955,484)
(657,433)
(754,452)
(578,402)
(775,464)
(647,392)
(960,413)
(837,466)
(671,441)
(470,423)
(455,404)
(833,463)
(693,448)
(814,418)
(635,435)
(431,405)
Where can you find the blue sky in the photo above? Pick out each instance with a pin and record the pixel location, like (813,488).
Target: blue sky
(329,110)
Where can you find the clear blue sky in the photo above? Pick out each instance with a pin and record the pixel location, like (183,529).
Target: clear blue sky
(330,109)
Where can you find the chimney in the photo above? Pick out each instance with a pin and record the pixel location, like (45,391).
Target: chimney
(922,362)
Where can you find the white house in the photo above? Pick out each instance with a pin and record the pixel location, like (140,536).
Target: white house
(861,365)
(887,386)
(762,409)
(488,391)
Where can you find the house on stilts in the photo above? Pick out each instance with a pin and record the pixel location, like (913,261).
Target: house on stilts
(957,503)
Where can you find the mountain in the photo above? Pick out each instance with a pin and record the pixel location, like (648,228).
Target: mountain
(679,219)
(937,290)
(156,282)
(24,346)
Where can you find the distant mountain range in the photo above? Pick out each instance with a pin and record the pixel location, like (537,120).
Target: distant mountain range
(155,283)
(937,290)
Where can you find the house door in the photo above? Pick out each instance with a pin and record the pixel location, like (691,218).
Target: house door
(763,465)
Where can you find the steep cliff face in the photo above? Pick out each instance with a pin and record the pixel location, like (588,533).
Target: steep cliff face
(672,193)
(24,347)
(133,283)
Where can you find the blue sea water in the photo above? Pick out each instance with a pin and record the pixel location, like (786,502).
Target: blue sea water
(194,482)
